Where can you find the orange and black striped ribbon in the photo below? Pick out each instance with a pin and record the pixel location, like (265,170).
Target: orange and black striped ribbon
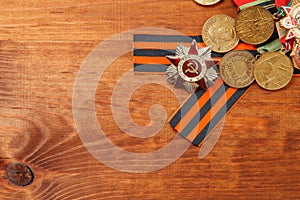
(202,112)
(150,51)
(204,109)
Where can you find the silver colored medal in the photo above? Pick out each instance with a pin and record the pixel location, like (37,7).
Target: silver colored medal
(192,68)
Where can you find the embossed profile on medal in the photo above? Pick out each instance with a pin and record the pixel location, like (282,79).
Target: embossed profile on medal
(219,33)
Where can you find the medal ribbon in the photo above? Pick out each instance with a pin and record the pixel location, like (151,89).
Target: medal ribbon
(150,51)
(267,4)
(204,109)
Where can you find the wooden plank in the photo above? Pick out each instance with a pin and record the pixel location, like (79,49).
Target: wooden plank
(42,45)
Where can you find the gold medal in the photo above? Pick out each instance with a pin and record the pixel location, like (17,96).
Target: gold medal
(207,2)
(273,70)
(219,33)
(254,25)
(236,69)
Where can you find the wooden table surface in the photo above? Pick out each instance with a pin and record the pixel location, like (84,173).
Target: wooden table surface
(42,46)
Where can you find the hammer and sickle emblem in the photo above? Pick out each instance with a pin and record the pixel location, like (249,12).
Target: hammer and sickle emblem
(192,67)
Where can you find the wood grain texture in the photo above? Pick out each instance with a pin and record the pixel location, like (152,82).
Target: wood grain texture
(42,45)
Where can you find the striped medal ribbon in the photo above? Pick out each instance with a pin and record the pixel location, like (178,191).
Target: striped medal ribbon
(204,109)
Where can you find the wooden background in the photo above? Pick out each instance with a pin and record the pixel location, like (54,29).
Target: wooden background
(42,45)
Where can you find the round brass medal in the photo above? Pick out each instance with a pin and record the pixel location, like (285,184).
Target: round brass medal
(273,71)
(236,69)
(218,32)
(254,25)
(207,2)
